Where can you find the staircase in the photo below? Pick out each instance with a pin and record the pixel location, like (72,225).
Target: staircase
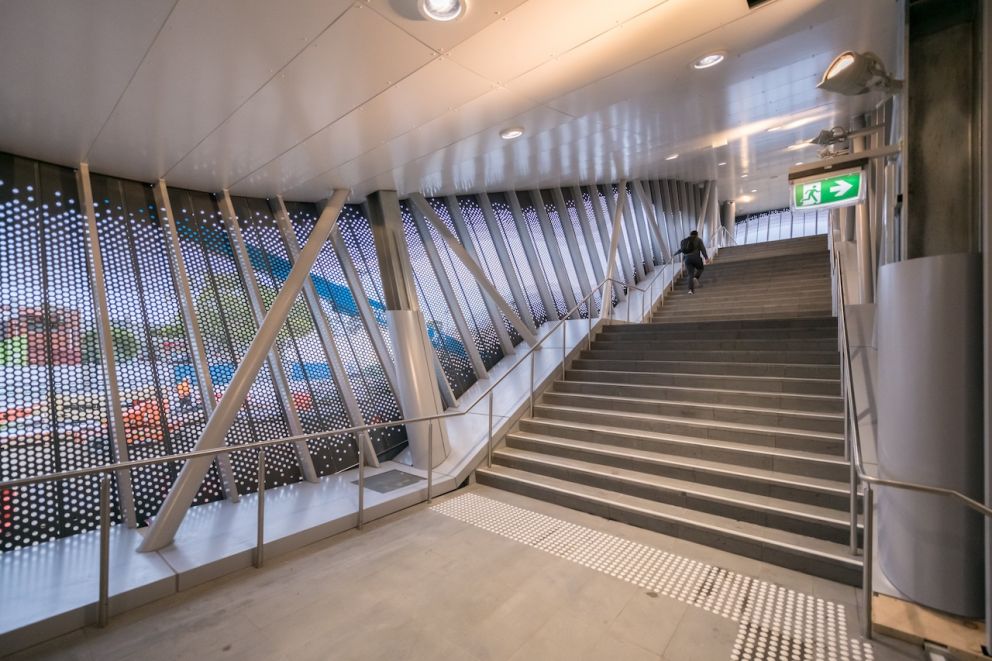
(719,422)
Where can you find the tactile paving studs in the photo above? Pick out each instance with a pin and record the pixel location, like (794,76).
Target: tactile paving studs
(775,622)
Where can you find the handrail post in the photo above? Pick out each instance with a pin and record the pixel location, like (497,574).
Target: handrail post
(854,509)
(866,583)
(533,354)
(430,460)
(260,523)
(564,345)
(103,606)
(361,483)
(490,430)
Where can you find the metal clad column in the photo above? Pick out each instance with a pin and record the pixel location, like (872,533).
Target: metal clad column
(649,246)
(595,258)
(106,336)
(417,372)
(930,429)
(638,255)
(632,271)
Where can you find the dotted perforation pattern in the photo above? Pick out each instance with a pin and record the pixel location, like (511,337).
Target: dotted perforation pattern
(53,405)
(504,217)
(358,356)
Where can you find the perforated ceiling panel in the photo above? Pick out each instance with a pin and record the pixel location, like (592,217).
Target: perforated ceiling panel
(358,355)
(53,407)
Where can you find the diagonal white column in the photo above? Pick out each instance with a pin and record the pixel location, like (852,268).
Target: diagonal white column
(173,510)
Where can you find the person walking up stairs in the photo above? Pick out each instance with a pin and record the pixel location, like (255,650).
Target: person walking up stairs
(720,421)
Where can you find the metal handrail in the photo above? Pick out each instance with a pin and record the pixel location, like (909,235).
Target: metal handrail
(729,235)
(106,470)
(858,472)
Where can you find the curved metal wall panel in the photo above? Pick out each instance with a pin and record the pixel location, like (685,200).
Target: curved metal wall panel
(53,403)
(358,356)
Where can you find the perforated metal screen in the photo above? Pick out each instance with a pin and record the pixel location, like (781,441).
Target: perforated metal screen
(53,405)
(340,308)
(504,218)
(227,325)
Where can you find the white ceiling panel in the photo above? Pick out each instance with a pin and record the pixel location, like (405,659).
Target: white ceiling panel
(64,67)
(340,70)
(537,32)
(209,58)
(443,36)
(435,89)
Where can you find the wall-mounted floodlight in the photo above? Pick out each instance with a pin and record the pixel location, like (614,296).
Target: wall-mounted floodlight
(441,10)
(857,73)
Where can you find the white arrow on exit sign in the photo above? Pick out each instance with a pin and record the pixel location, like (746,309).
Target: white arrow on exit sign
(840,188)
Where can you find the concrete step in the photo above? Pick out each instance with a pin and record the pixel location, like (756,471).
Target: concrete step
(832,423)
(804,519)
(796,462)
(794,551)
(713,355)
(755,282)
(795,370)
(790,402)
(760,482)
(733,316)
(824,322)
(754,384)
(660,333)
(748,294)
(736,432)
(611,342)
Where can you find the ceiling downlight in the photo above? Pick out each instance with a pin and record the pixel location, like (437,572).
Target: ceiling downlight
(709,60)
(441,10)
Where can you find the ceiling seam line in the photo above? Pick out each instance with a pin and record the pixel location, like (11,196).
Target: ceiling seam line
(257,90)
(130,80)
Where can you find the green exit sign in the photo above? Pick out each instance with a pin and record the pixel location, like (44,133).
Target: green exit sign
(828,191)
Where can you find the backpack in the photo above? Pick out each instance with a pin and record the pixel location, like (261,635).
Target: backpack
(688,246)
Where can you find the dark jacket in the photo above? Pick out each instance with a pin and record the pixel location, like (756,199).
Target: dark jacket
(692,246)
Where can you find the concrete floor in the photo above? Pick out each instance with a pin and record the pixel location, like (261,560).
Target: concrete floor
(423,585)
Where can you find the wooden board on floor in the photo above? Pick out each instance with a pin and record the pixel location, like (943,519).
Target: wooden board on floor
(914,623)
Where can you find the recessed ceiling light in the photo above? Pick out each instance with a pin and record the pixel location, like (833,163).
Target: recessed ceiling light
(745,198)
(511,133)
(709,60)
(672,157)
(799,145)
(442,10)
(754,190)
(799,162)
(744,176)
(722,163)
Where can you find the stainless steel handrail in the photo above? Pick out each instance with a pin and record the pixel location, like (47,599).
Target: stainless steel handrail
(104,471)
(859,474)
(729,235)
